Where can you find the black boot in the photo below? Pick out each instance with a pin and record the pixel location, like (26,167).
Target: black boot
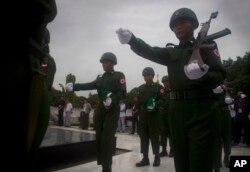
(157,161)
(171,153)
(164,152)
(143,162)
(226,161)
(106,168)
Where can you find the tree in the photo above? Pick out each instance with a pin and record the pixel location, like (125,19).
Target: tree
(238,73)
(70,78)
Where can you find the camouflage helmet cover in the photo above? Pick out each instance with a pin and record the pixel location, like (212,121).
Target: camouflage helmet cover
(148,71)
(109,57)
(184,13)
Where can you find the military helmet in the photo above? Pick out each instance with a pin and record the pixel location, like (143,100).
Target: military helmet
(109,56)
(148,71)
(165,78)
(183,13)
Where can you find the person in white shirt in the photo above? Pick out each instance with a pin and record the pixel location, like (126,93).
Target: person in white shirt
(68,111)
(121,121)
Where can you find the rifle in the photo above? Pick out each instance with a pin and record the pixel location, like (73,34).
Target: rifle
(202,39)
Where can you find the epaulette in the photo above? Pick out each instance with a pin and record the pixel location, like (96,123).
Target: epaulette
(171,45)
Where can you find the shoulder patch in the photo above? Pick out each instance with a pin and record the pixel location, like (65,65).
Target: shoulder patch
(216,52)
(122,81)
(162,90)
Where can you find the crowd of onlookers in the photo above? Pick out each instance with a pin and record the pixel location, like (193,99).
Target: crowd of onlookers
(239,111)
(240,115)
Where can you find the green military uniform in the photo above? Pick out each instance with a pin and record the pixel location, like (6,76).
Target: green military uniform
(106,119)
(224,137)
(192,107)
(27,80)
(149,120)
(164,123)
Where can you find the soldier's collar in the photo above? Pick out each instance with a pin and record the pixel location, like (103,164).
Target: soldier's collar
(191,42)
(150,84)
(110,72)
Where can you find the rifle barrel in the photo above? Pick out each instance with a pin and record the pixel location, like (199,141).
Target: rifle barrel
(219,34)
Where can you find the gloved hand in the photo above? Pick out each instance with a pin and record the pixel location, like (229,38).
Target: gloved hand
(124,35)
(108,101)
(218,90)
(150,104)
(243,96)
(69,86)
(228,100)
(193,70)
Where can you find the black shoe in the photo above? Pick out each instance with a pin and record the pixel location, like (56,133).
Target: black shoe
(163,153)
(143,162)
(226,162)
(132,133)
(157,161)
(216,170)
(106,169)
(171,153)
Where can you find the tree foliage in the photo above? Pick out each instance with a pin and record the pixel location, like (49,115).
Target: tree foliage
(238,73)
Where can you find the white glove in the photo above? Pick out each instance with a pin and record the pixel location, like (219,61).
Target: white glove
(150,108)
(193,70)
(228,100)
(151,105)
(124,35)
(107,102)
(69,86)
(218,90)
(243,96)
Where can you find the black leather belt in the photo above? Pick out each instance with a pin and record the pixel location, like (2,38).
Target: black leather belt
(186,95)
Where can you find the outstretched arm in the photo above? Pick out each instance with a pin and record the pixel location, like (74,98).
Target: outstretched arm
(155,54)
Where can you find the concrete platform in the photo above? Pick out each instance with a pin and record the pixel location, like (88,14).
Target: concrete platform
(125,162)
(65,147)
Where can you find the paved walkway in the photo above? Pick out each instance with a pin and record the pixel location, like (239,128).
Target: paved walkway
(126,162)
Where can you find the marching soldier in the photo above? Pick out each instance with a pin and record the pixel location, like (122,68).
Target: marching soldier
(164,121)
(149,94)
(192,108)
(28,82)
(111,88)
(224,128)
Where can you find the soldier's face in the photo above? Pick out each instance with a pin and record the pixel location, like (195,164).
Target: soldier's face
(148,78)
(166,84)
(107,65)
(183,30)
(135,99)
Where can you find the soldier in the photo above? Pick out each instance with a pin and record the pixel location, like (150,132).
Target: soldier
(27,83)
(165,132)
(135,115)
(192,106)
(149,94)
(48,64)
(224,128)
(111,88)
